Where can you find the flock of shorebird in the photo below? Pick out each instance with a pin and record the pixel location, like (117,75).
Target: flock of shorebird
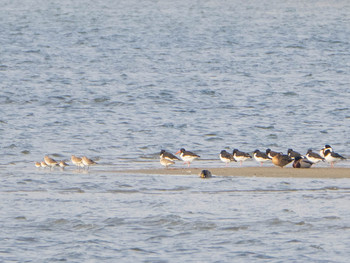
(80,162)
(278,158)
(167,159)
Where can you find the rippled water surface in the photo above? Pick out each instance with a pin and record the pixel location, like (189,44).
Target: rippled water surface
(120,80)
(149,218)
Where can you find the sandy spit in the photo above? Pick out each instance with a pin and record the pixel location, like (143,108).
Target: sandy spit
(252,172)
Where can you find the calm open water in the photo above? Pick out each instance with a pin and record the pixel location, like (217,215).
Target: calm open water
(120,80)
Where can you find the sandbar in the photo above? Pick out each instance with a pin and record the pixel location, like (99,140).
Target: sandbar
(251,172)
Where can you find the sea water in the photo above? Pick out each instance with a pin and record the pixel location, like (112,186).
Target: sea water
(120,80)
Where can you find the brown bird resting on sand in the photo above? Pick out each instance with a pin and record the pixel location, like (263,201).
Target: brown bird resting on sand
(63,164)
(300,162)
(166,162)
(50,162)
(87,162)
(281,160)
(77,161)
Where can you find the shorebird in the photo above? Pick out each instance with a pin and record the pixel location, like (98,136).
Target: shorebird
(293,154)
(166,162)
(261,157)
(270,153)
(300,162)
(87,162)
(167,155)
(324,149)
(226,157)
(37,164)
(281,160)
(187,156)
(240,156)
(332,157)
(50,162)
(77,161)
(63,164)
(313,157)
(43,164)
(205,174)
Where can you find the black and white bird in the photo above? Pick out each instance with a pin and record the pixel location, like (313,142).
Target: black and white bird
(240,156)
(324,149)
(187,156)
(314,157)
(293,154)
(332,157)
(261,157)
(167,155)
(270,153)
(226,157)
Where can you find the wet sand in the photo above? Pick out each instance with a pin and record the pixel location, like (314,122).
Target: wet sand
(253,172)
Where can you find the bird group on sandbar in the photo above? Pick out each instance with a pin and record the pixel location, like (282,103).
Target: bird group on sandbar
(81,162)
(326,154)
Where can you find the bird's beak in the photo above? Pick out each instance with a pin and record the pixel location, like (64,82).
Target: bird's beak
(178,152)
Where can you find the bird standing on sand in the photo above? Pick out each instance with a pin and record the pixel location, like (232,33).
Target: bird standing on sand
(50,162)
(332,157)
(63,164)
(187,156)
(77,161)
(240,156)
(270,153)
(293,154)
(313,157)
(166,162)
(300,162)
(226,157)
(281,160)
(324,149)
(261,157)
(87,162)
(167,155)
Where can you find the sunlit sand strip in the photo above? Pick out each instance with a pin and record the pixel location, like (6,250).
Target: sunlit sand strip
(250,172)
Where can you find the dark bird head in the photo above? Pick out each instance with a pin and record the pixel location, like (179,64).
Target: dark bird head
(326,152)
(181,151)
(205,174)
(297,158)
